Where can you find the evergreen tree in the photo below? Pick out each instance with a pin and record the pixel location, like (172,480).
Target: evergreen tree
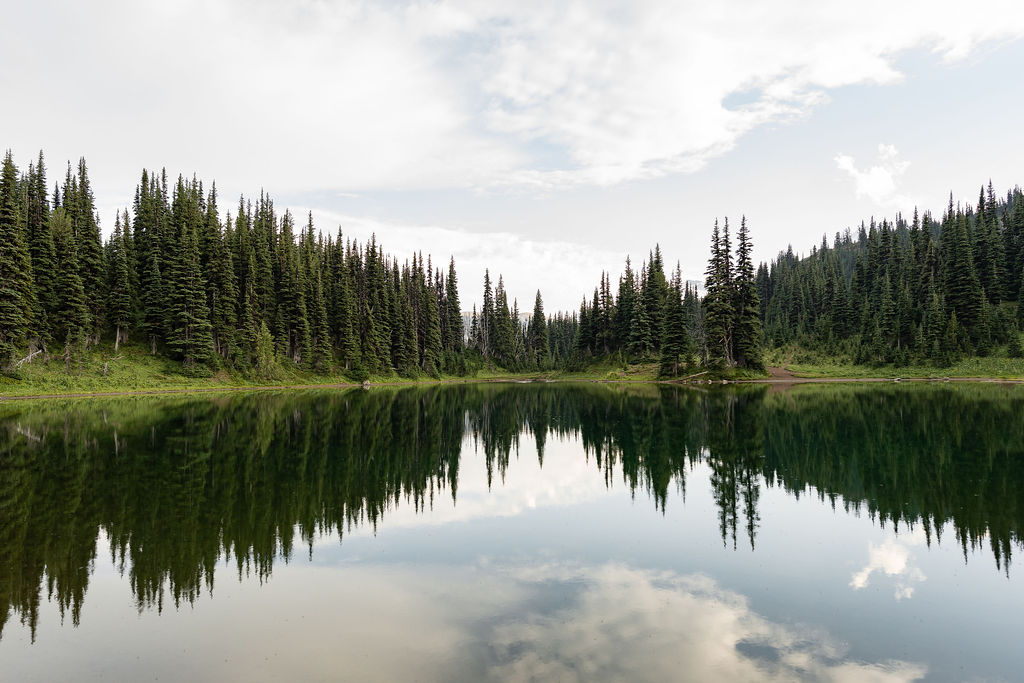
(188,318)
(16,292)
(407,353)
(487,330)
(538,335)
(265,359)
(718,302)
(119,300)
(78,200)
(626,306)
(152,238)
(641,336)
(40,247)
(346,321)
(322,352)
(221,281)
(676,346)
(453,310)
(430,357)
(71,322)
(503,329)
(654,294)
(747,337)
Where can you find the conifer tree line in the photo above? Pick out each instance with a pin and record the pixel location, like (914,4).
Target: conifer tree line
(648,317)
(925,290)
(254,290)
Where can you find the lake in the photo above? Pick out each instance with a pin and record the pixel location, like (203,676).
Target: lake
(516,532)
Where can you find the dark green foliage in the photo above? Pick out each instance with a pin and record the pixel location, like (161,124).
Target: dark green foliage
(503,328)
(188,316)
(677,348)
(322,352)
(17,299)
(250,292)
(78,203)
(719,317)
(177,277)
(152,239)
(406,352)
(265,360)
(537,335)
(430,327)
(221,282)
(71,322)
(40,246)
(120,310)
(453,312)
(747,332)
(923,291)
(292,330)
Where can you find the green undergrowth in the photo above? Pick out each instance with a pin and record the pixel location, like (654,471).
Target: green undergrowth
(609,371)
(812,363)
(133,368)
(974,367)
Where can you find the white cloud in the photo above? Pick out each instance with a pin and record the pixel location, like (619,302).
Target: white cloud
(632,624)
(481,621)
(879,183)
(638,90)
(892,558)
(297,95)
(455,93)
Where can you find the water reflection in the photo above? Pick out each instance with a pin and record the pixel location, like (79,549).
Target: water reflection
(621,621)
(894,558)
(177,485)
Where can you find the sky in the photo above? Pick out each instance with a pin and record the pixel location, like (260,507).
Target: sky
(543,140)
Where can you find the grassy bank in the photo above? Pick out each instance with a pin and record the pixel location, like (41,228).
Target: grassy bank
(814,364)
(980,368)
(133,368)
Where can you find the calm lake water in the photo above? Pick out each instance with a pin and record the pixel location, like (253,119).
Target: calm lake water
(516,532)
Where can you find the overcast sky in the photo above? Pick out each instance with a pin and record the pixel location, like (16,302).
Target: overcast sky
(545,140)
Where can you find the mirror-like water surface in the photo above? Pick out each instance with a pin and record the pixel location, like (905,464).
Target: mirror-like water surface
(516,532)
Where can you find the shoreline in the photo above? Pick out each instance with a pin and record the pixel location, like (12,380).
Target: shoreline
(782,379)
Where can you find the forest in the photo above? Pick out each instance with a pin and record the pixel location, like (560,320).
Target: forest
(256,291)
(925,290)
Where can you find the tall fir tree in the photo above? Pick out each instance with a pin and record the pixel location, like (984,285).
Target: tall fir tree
(71,324)
(40,246)
(718,301)
(538,335)
(16,291)
(676,346)
(453,310)
(81,207)
(120,313)
(189,333)
(748,336)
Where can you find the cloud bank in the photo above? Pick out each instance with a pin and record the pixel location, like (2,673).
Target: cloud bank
(455,93)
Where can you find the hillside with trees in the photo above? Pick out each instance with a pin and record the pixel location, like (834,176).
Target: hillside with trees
(254,291)
(923,291)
